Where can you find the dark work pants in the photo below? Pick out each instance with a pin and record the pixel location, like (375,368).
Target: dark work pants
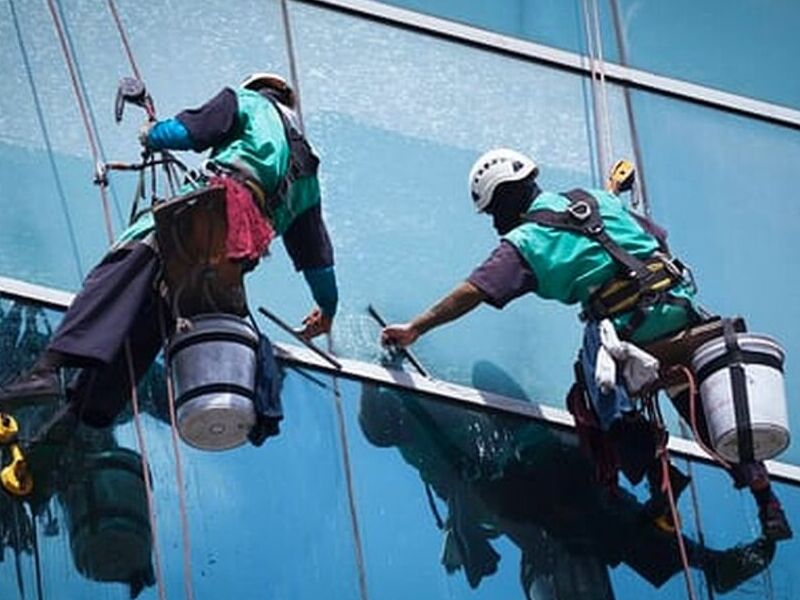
(118,303)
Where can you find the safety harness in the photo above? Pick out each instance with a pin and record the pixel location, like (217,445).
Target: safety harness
(640,284)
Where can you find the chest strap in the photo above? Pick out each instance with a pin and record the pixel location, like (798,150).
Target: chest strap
(641,283)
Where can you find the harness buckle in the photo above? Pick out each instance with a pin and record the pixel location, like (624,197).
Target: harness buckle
(580,210)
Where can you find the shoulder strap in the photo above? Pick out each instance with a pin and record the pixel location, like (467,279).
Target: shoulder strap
(583,216)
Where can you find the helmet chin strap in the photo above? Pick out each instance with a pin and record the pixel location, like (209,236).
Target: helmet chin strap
(510,201)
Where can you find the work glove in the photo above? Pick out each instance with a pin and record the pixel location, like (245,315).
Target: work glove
(316,323)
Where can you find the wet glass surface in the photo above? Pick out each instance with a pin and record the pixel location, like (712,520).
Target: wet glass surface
(474,503)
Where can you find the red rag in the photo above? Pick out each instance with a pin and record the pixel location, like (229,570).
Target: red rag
(249,233)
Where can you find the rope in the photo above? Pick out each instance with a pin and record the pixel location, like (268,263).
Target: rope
(50,154)
(37,558)
(666,487)
(287,29)
(149,107)
(90,133)
(639,191)
(179,479)
(698,523)
(597,109)
(693,416)
(337,396)
(151,511)
(605,122)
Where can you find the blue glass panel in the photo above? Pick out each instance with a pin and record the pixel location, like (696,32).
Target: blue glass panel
(553,22)
(270,521)
(723,186)
(482,505)
(47,170)
(747,47)
(397,136)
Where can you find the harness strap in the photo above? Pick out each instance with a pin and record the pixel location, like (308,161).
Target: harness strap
(741,406)
(583,216)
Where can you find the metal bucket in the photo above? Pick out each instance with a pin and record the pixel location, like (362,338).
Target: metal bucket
(213,368)
(106,508)
(750,367)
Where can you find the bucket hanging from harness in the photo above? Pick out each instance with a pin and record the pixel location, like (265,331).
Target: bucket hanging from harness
(640,283)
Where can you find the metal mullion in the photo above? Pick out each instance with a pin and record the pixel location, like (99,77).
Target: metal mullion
(562,59)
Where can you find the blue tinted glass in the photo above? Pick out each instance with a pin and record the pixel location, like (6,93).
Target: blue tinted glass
(553,22)
(397,136)
(715,183)
(53,230)
(271,521)
(486,505)
(747,47)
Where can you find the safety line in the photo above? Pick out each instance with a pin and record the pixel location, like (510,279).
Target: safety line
(293,73)
(49,147)
(37,557)
(639,190)
(348,475)
(179,479)
(69,59)
(151,509)
(606,121)
(84,91)
(120,29)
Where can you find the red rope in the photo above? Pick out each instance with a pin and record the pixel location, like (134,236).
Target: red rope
(90,133)
(666,486)
(693,416)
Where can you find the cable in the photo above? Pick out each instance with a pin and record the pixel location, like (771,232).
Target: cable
(151,510)
(179,480)
(90,134)
(49,147)
(351,502)
(287,29)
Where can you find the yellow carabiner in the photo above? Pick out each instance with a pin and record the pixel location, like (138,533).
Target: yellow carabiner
(16,478)
(8,429)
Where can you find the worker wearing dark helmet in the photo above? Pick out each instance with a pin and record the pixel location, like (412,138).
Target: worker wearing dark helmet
(268,172)
(586,247)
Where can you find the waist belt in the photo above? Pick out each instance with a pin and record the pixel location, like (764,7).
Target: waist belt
(624,293)
(239,175)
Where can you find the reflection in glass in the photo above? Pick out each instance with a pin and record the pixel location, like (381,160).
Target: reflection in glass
(98,485)
(499,475)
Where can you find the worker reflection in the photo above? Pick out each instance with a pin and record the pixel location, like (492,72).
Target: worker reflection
(502,475)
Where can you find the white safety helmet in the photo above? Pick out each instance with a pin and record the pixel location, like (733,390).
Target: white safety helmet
(493,168)
(275,82)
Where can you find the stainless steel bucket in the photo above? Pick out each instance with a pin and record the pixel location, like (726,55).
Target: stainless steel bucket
(213,366)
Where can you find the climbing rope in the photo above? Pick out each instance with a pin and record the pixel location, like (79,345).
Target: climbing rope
(351,501)
(287,31)
(662,453)
(148,488)
(179,479)
(91,134)
(46,136)
(598,85)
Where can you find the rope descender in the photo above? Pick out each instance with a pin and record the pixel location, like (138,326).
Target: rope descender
(15,477)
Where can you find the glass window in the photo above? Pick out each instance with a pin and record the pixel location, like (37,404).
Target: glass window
(397,136)
(485,505)
(748,47)
(723,186)
(53,227)
(552,22)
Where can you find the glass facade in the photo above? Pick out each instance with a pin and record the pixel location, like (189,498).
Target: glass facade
(373,491)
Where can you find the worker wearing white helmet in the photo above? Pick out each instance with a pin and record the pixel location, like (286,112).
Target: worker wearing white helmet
(586,247)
